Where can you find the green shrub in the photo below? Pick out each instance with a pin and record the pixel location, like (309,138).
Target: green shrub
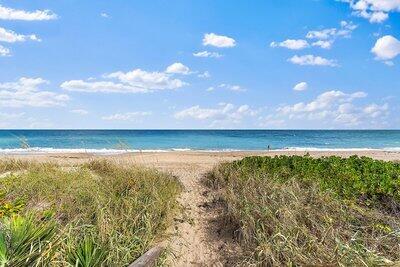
(25,241)
(295,211)
(106,214)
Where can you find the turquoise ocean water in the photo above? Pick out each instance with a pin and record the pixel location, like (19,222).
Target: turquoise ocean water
(114,141)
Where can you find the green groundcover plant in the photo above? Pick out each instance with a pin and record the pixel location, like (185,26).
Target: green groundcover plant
(295,211)
(95,214)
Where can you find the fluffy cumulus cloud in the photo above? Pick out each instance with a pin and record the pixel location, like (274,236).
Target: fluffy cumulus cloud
(177,68)
(223,113)
(7,13)
(216,40)
(135,81)
(12,37)
(312,60)
(291,44)
(147,80)
(26,92)
(331,109)
(128,116)
(4,51)
(376,11)
(323,44)
(325,38)
(207,54)
(302,86)
(386,48)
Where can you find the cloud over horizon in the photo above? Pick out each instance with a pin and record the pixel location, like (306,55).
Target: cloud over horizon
(26,92)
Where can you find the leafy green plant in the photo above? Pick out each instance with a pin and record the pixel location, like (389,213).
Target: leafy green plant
(354,178)
(9,208)
(24,241)
(295,211)
(86,253)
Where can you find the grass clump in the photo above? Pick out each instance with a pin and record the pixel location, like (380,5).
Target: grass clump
(12,165)
(104,214)
(297,211)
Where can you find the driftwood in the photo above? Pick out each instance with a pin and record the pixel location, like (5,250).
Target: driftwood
(149,258)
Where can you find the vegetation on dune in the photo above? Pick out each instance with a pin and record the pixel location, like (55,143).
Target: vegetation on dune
(304,211)
(94,214)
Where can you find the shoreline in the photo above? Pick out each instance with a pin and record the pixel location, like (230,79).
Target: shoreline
(106,151)
(171,158)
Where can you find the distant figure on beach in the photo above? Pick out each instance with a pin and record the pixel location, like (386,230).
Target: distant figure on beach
(269,148)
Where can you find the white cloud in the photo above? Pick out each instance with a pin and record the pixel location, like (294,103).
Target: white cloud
(7,120)
(375,111)
(312,61)
(322,34)
(15,14)
(26,93)
(147,80)
(331,108)
(79,111)
(128,116)
(100,86)
(205,75)
(302,86)
(386,48)
(389,63)
(4,51)
(207,54)
(104,15)
(376,11)
(135,81)
(10,116)
(291,44)
(326,37)
(213,39)
(225,112)
(322,38)
(177,68)
(271,122)
(12,37)
(322,102)
(36,123)
(323,44)
(235,88)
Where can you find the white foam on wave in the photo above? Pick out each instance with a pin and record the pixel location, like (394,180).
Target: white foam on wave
(106,151)
(46,150)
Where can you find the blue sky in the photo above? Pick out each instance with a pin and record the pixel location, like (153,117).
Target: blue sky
(200,64)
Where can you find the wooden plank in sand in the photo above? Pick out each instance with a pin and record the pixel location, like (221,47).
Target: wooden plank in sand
(149,258)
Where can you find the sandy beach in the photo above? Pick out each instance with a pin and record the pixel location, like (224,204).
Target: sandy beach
(195,238)
(171,160)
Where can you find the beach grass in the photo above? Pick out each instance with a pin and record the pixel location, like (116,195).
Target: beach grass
(298,211)
(94,214)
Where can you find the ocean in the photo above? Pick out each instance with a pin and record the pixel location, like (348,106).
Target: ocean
(116,141)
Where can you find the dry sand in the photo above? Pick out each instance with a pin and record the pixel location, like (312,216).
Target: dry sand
(195,239)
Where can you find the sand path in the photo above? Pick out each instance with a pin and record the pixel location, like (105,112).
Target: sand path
(195,238)
(190,243)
